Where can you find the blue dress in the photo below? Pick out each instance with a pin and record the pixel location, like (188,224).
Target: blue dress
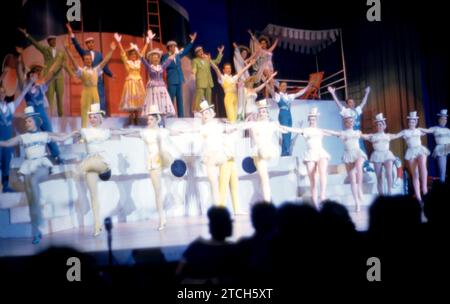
(6,132)
(36,98)
(285,119)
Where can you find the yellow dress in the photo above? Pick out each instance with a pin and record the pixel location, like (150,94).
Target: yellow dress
(133,94)
(89,94)
(229,85)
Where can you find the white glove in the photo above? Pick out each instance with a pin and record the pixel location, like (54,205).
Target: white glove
(117,37)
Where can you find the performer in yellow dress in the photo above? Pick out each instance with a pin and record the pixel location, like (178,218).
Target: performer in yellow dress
(133,93)
(89,76)
(229,85)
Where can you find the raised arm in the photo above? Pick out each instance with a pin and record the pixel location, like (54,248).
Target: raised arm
(216,69)
(148,42)
(273,46)
(239,74)
(187,48)
(261,86)
(15,141)
(40,47)
(366,97)
(333,94)
(21,72)
(75,42)
(219,54)
(25,90)
(71,59)
(104,62)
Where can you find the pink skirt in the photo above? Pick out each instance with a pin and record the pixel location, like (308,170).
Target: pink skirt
(160,97)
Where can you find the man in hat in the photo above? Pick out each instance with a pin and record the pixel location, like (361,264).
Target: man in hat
(201,72)
(52,56)
(175,76)
(97,58)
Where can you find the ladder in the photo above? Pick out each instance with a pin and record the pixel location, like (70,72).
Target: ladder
(154,19)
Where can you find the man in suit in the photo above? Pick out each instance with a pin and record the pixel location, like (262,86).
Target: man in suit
(51,55)
(174,72)
(97,58)
(201,72)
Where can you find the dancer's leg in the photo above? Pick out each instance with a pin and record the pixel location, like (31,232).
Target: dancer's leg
(92,167)
(224,182)
(323,176)
(211,172)
(442,163)
(261,166)
(33,192)
(379,174)
(234,181)
(413,166)
(311,169)
(422,161)
(352,175)
(359,177)
(155,176)
(388,172)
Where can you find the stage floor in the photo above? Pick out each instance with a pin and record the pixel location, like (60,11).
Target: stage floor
(179,232)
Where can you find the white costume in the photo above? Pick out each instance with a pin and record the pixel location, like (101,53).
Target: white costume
(213,153)
(352,150)
(314,149)
(155,140)
(35,152)
(415,148)
(263,133)
(442,138)
(250,102)
(95,137)
(380,143)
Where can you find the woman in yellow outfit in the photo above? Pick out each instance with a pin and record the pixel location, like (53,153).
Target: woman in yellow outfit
(133,93)
(229,85)
(89,77)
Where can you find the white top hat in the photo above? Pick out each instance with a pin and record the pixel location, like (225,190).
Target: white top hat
(29,112)
(198,49)
(171,42)
(204,105)
(313,112)
(89,39)
(412,115)
(443,113)
(262,104)
(153,110)
(379,117)
(347,113)
(154,51)
(51,37)
(95,109)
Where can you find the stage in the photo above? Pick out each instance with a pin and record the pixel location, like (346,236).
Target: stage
(172,241)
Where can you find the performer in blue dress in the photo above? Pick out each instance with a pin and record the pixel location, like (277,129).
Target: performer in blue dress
(284,100)
(97,58)
(175,76)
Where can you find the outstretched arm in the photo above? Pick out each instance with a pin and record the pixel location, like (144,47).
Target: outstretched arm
(333,94)
(25,90)
(21,72)
(330,132)
(15,141)
(395,136)
(216,69)
(61,137)
(148,42)
(71,59)
(40,47)
(219,55)
(75,42)
(427,131)
(301,92)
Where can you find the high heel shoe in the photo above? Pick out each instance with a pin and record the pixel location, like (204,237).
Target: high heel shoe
(37,238)
(97,231)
